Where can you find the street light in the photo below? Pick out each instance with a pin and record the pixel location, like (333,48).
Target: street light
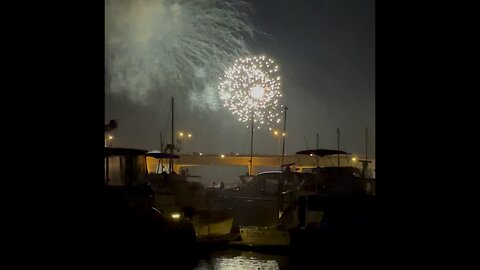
(108,141)
(183,138)
(277,134)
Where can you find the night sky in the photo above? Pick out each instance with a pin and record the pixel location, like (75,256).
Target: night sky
(326,54)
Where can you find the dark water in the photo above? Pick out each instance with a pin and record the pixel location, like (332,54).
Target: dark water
(309,251)
(232,259)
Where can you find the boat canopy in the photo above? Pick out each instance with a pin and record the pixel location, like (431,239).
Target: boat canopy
(157,154)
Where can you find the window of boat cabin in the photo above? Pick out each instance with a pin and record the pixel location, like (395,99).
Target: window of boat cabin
(139,166)
(126,170)
(266,182)
(271,185)
(256,184)
(307,182)
(291,181)
(116,171)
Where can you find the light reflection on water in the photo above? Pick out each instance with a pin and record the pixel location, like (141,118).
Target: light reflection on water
(236,260)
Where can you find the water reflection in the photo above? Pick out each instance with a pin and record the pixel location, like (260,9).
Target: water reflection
(235,260)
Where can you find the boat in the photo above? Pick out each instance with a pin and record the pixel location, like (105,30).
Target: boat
(329,198)
(341,180)
(271,205)
(346,197)
(129,216)
(175,194)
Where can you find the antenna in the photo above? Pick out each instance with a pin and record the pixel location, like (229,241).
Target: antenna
(161,142)
(366,143)
(365,162)
(338,147)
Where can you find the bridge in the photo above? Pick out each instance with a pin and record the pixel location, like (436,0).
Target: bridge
(299,162)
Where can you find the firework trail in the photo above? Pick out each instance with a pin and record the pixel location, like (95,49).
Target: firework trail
(252,85)
(173,46)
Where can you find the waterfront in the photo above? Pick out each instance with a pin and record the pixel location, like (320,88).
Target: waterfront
(238,259)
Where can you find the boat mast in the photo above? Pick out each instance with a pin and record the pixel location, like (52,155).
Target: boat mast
(170,164)
(365,162)
(316,156)
(284,132)
(160,160)
(251,150)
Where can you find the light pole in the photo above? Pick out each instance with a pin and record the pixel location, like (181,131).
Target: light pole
(284,132)
(276,133)
(281,184)
(179,141)
(183,139)
(256,92)
(189,136)
(250,171)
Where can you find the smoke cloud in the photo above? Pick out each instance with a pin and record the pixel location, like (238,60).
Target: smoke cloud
(173,47)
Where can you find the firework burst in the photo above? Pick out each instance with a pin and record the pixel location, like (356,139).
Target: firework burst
(252,85)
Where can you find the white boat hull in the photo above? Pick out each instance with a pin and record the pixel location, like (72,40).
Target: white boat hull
(264,236)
